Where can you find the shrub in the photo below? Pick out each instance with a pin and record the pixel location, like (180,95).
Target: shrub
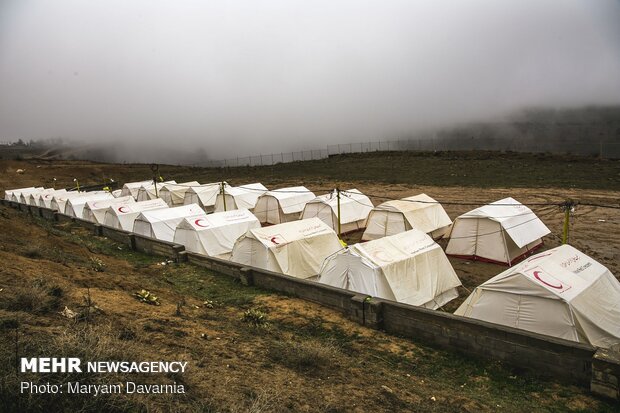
(96,264)
(255,317)
(33,252)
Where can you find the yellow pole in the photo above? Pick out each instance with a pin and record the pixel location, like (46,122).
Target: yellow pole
(567,207)
(77,183)
(223,195)
(566,219)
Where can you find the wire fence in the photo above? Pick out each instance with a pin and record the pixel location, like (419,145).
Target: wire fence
(599,149)
(269,159)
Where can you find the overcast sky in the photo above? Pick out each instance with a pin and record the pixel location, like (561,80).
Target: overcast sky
(236,77)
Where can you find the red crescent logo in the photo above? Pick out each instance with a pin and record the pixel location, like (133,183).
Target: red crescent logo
(537,276)
(273,239)
(120,209)
(197,223)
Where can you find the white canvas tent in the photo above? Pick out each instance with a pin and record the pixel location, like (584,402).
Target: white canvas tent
(214,234)
(238,197)
(24,196)
(132,188)
(161,223)
(75,206)
(59,200)
(8,194)
(295,248)
(203,195)
(17,195)
(419,212)
(560,292)
(123,216)
(501,232)
(408,267)
(174,194)
(33,197)
(117,193)
(151,191)
(354,209)
(45,199)
(94,211)
(282,205)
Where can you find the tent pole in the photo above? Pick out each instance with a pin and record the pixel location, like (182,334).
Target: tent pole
(338,195)
(223,195)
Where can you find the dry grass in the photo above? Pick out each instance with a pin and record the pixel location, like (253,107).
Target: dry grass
(85,341)
(36,297)
(304,356)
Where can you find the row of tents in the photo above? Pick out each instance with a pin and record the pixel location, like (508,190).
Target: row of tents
(549,293)
(503,232)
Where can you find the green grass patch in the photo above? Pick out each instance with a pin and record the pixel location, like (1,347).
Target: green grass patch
(200,283)
(471,169)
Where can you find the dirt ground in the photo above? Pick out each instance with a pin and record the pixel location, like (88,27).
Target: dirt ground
(250,350)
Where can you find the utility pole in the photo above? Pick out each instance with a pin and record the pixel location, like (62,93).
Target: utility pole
(155,169)
(567,207)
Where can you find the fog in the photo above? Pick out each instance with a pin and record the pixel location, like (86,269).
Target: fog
(239,77)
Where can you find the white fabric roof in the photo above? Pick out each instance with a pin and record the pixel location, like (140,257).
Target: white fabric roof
(174,194)
(141,206)
(421,211)
(354,206)
(123,216)
(131,188)
(207,193)
(214,234)
(16,195)
(408,267)
(8,194)
(147,191)
(245,195)
(161,223)
(292,199)
(560,292)
(281,234)
(25,195)
(521,224)
(45,199)
(295,248)
(59,200)
(33,197)
(75,205)
(94,210)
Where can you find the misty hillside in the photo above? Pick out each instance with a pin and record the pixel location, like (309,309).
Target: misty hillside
(577,130)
